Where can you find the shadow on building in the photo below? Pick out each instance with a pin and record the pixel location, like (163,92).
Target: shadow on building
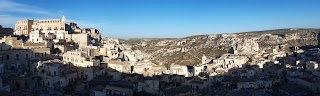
(285,76)
(25,72)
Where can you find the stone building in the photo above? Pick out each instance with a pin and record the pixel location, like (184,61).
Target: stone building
(42,48)
(80,59)
(12,41)
(23,27)
(119,88)
(57,30)
(117,65)
(82,39)
(62,48)
(15,60)
(88,67)
(228,61)
(38,36)
(59,27)
(180,70)
(246,46)
(254,84)
(20,83)
(73,26)
(5,31)
(94,33)
(56,73)
(312,66)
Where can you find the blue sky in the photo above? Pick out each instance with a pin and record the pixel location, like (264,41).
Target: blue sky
(168,18)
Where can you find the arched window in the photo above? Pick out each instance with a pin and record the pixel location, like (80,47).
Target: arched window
(61,28)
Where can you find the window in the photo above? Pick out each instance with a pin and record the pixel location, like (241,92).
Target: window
(17,56)
(8,57)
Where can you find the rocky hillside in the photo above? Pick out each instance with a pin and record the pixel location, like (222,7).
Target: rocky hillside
(189,50)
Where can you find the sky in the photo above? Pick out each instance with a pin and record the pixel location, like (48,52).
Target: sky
(168,18)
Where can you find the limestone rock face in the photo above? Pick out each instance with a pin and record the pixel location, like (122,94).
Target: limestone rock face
(246,46)
(189,50)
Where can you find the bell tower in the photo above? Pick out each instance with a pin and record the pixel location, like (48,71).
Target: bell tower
(63,19)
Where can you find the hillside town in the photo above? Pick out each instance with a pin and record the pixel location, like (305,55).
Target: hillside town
(54,57)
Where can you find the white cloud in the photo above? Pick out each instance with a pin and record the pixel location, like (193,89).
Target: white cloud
(10,12)
(8,20)
(10,6)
